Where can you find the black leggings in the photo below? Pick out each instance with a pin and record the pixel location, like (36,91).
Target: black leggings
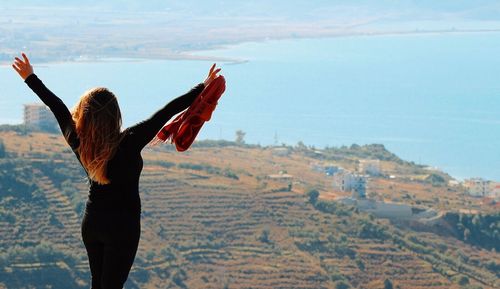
(111,240)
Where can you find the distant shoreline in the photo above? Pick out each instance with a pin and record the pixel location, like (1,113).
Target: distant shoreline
(197,54)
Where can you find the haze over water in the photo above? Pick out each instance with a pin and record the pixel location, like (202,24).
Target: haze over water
(433,99)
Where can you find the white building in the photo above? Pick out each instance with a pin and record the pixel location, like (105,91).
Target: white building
(280,177)
(39,116)
(370,167)
(477,187)
(495,190)
(349,182)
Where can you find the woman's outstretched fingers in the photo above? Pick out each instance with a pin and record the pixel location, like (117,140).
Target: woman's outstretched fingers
(212,74)
(25,58)
(16,68)
(23,68)
(211,69)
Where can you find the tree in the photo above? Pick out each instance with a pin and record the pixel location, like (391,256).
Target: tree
(388,284)
(313,196)
(301,146)
(462,280)
(342,285)
(2,149)
(264,236)
(360,264)
(436,179)
(240,136)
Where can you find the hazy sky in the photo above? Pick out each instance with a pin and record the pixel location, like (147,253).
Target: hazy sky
(396,9)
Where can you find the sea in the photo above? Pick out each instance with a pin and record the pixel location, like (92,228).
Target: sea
(431,98)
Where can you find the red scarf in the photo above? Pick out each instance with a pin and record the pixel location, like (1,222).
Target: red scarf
(185,127)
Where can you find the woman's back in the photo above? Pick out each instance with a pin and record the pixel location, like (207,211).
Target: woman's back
(123,171)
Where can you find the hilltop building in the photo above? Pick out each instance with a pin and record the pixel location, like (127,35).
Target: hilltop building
(39,116)
(349,182)
(495,190)
(478,187)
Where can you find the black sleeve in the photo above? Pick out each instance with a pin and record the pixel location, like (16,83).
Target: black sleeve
(57,107)
(142,133)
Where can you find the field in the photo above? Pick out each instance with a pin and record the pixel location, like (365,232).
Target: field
(212,218)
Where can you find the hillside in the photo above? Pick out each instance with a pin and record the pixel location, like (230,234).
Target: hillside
(212,218)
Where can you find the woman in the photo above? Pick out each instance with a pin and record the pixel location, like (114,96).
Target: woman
(112,160)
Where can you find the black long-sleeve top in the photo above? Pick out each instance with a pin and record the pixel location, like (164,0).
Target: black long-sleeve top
(124,169)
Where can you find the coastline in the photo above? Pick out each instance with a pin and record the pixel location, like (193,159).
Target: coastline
(198,54)
(218,49)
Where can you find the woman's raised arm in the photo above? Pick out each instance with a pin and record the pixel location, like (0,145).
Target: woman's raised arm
(56,105)
(146,130)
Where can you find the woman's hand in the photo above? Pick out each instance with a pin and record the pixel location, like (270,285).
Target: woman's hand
(212,74)
(24,68)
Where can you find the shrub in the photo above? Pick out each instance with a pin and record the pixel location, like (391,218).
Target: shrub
(360,264)
(435,179)
(3,152)
(461,280)
(313,196)
(342,285)
(179,278)
(369,230)
(264,236)
(161,163)
(388,284)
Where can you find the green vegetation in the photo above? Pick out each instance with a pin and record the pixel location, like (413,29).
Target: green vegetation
(342,285)
(313,196)
(436,179)
(19,128)
(479,230)
(7,217)
(371,230)
(16,179)
(461,280)
(240,137)
(160,163)
(264,236)
(3,152)
(42,252)
(179,278)
(227,172)
(221,144)
(371,151)
(388,284)
(333,208)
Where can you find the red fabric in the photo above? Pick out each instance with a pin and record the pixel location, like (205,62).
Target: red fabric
(185,127)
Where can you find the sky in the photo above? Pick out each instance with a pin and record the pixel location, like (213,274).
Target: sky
(485,10)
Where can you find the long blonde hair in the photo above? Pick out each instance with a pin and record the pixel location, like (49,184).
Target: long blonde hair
(98,123)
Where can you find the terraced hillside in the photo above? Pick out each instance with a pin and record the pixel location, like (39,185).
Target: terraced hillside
(213,218)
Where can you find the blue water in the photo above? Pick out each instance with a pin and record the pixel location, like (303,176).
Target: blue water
(433,99)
